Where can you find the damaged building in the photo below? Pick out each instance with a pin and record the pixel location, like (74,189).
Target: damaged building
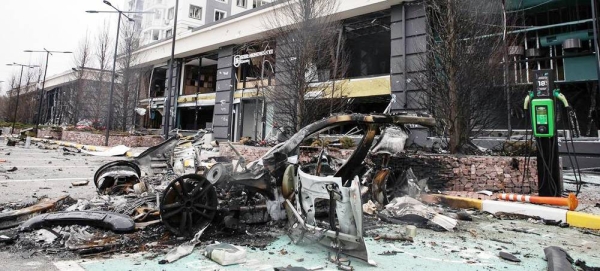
(222,68)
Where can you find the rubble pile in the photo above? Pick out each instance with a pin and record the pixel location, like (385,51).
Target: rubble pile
(168,201)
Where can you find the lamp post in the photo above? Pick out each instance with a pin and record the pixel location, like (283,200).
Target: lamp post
(48,53)
(12,130)
(112,83)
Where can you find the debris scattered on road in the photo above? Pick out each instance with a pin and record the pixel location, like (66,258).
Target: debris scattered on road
(225,254)
(115,222)
(14,218)
(411,210)
(82,183)
(119,150)
(394,236)
(183,249)
(558,259)
(8,169)
(509,257)
(369,207)
(485,192)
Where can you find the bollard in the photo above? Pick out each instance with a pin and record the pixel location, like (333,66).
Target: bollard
(27,142)
(570,201)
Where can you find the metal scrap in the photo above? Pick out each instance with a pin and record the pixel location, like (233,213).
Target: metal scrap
(15,218)
(411,210)
(106,220)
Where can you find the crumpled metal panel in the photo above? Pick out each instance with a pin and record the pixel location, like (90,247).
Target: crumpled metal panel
(117,223)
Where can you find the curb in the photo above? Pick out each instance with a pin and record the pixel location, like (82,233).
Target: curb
(70,144)
(575,219)
(77,146)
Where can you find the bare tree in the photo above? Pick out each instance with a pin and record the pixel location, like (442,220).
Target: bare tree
(82,60)
(125,94)
(464,55)
(102,53)
(27,101)
(8,107)
(307,38)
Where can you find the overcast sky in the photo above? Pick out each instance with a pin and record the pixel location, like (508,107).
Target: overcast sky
(51,24)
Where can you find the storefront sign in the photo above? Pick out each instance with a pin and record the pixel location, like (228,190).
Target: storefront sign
(241,59)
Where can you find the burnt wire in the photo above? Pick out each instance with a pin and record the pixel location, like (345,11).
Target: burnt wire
(528,150)
(572,127)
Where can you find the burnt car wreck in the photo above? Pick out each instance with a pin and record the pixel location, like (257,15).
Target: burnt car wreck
(274,187)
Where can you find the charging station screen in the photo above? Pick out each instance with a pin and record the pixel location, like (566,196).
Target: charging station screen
(541,113)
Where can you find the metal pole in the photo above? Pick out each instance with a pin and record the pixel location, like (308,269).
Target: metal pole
(506,84)
(12,130)
(335,67)
(112,85)
(167,105)
(37,123)
(596,41)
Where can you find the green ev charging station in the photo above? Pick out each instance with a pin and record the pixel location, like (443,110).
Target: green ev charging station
(542,105)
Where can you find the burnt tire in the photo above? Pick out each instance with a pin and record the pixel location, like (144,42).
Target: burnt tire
(108,184)
(189,203)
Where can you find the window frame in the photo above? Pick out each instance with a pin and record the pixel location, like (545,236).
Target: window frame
(244,5)
(198,8)
(221,11)
(170,13)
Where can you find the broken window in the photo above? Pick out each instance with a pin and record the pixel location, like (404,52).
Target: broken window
(219,15)
(168,33)
(195,12)
(241,3)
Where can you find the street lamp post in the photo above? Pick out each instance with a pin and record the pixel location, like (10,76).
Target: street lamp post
(112,83)
(48,53)
(12,130)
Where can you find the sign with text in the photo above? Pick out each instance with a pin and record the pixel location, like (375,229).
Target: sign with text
(242,59)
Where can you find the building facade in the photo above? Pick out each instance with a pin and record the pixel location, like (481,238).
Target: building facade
(191,14)
(216,83)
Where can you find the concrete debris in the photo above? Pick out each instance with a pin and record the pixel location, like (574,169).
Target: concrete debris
(411,210)
(82,183)
(106,220)
(225,254)
(119,150)
(369,207)
(80,205)
(45,236)
(411,231)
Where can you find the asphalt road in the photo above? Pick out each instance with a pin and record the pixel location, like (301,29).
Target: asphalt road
(49,173)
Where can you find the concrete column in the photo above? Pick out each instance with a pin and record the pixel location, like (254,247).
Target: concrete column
(408,42)
(222,116)
(174,89)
